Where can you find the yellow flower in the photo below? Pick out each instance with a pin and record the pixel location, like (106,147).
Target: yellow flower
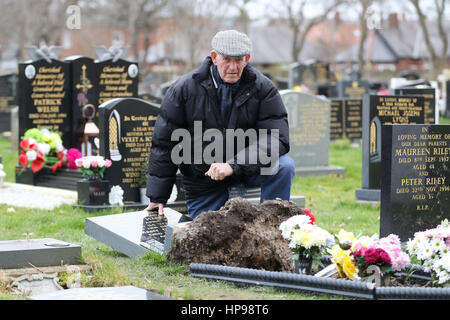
(345,236)
(343,262)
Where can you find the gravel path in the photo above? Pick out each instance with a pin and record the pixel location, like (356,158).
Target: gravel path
(21,195)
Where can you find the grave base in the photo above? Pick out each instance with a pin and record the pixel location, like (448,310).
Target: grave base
(38,252)
(61,179)
(319,171)
(368,195)
(107,293)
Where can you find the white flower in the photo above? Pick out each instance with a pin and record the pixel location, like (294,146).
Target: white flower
(100,162)
(31,155)
(86,163)
(58,146)
(289,225)
(44,148)
(424,251)
(116,196)
(437,244)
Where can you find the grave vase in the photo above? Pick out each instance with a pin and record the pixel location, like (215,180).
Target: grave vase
(303,265)
(93,191)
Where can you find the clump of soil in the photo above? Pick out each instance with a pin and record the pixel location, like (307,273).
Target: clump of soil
(240,234)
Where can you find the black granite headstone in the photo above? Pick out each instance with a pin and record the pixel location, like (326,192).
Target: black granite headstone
(84,86)
(352,89)
(45,98)
(310,75)
(126,127)
(8,99)
(415,189)
(117,80)
(429,95)
(379,110)
(346,119)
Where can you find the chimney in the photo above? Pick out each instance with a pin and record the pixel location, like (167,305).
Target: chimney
(393,21)
(337,18)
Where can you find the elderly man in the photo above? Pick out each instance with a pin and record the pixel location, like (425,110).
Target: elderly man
(224,93)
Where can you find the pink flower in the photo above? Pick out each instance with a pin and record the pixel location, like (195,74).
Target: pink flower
(72,155)
(94,164)
(108,163)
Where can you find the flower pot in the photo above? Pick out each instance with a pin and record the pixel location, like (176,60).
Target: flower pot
(93,192)
(303,265)
(24,175)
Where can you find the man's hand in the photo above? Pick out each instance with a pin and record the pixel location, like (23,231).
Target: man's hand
(153,205)
(219,171)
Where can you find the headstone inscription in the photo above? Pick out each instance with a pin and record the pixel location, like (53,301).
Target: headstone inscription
(116,79)
(379,110)
(8,99)
(415,190)
(429,95)
(353,89)
(45,97)
(126,127)
(309,132)
(346,119)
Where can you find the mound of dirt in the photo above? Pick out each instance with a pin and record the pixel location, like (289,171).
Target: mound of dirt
(240,234)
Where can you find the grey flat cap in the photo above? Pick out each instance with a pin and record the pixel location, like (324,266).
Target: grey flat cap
(231,43)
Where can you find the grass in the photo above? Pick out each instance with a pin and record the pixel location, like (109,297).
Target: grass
(331,199)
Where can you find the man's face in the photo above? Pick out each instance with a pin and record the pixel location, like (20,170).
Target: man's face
(230,68)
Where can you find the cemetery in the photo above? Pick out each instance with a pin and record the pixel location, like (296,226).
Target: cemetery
(368,216)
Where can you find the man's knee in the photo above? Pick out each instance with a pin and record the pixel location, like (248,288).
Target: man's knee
(286,166)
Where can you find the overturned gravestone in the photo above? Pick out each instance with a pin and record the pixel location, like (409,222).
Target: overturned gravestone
(240,234)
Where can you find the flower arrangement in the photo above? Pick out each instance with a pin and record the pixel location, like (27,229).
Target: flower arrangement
(431,250)
(385,253)
(93,167)
(42,148)
(307,240)
(72,155)
(341,255)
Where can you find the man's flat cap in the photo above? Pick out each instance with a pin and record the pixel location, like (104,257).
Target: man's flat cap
(231,43)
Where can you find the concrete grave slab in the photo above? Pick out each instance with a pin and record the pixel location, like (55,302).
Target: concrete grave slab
(107,293)
(38,252)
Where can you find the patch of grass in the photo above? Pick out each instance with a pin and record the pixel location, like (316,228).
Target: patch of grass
(331,199)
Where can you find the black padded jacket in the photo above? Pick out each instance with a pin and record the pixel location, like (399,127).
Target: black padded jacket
(193,97)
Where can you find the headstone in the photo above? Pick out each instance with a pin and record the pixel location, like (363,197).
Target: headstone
(126,128)
(14,129)
(379,110)
(84,87)
(45,97)
(310,75)
(429,95)
(415,190)
(8,99)
(46,252)
(124,232)
(116,80)
(352,89)
(346,119)
(309,133)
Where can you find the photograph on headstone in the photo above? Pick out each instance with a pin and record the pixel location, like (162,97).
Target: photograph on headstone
(415,189)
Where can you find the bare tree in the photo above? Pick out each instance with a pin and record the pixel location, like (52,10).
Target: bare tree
(437,60)
(300,24)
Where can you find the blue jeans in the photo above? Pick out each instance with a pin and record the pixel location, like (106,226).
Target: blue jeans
(272,186)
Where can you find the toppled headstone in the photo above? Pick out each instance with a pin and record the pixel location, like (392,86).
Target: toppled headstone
(240,234)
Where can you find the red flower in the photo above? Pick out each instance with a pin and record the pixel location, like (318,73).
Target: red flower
(309,214)
(37,164)
(26,145)
(23,159)
(371,256)
(383,256)
(54,167)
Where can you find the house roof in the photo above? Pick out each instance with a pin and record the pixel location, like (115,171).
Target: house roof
(406,41)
